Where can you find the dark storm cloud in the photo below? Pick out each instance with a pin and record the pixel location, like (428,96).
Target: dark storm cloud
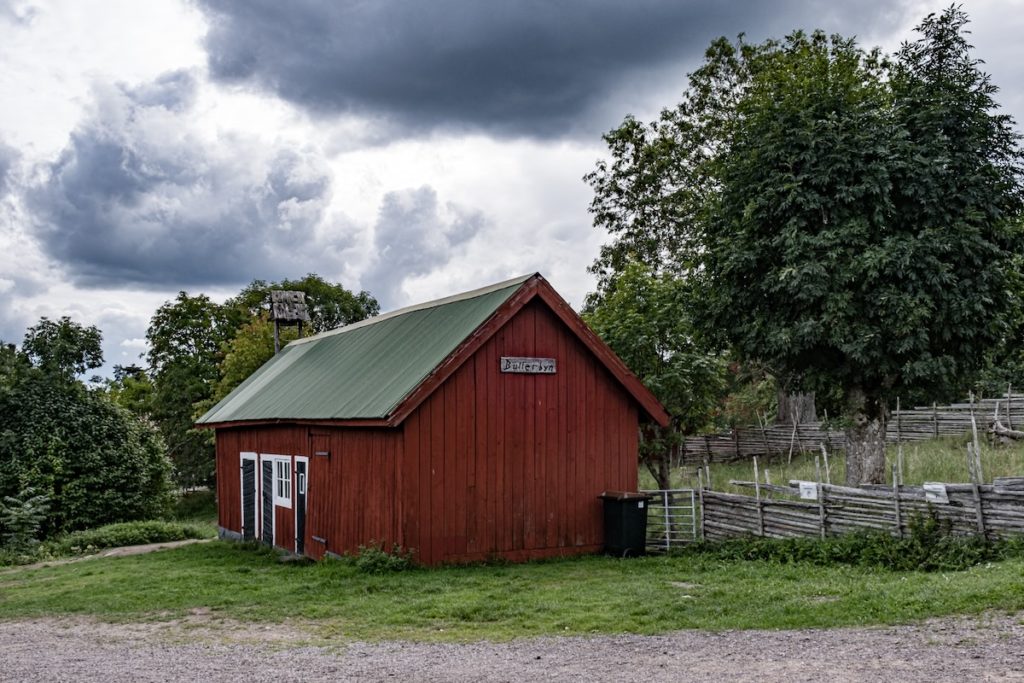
(174,91)
(531,67)
(139,197)
(414,236)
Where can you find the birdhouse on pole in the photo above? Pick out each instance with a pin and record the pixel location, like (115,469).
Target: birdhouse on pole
(287,308)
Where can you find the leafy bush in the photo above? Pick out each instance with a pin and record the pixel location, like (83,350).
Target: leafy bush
(97,462)
(126,533)
(195,506)
(21,518)
(374,559)
(928,547)
(109,536)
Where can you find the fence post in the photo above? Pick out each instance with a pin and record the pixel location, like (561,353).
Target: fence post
(828,431)
(896,498)
(899,438)
(764,435)
(700,494)
(899,423)
(979,476)
(1009,406)
(899,441)
(821,500)
(792,441)
(935,419)
(979,513)
(760,505)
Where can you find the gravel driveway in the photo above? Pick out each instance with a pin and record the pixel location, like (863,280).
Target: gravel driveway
(990,647)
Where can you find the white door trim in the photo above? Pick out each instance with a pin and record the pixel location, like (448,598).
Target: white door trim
(277,500)
(280,501)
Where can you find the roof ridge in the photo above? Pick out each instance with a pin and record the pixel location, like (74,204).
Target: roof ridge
(472,294)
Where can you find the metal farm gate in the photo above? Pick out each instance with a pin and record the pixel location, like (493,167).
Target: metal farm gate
(671,519)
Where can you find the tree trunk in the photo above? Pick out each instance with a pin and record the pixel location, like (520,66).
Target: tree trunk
(656,455)
(795,407)
(664,475)
(865,440)
(660,467)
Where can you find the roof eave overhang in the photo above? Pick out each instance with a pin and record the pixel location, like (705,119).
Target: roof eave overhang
(315,422)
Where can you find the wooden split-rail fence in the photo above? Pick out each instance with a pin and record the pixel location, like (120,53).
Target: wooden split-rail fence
(990,510)
(917,424)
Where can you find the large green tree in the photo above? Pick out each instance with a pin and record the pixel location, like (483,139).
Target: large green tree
(185,338)
(131,388)
(95,461)
(850,221)
(63,347)
(642,317)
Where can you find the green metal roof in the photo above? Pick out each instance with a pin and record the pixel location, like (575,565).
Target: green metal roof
(363,370)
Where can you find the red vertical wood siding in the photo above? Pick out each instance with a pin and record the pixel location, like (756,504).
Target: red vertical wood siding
(511,464)
(353,494)
(490,464)
(229,480)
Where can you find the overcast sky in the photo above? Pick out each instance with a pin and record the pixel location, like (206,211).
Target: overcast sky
(412,149)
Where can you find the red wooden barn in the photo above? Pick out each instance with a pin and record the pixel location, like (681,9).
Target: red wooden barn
(480,425)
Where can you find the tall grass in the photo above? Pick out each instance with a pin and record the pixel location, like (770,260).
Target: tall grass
(942,460)
(195,507)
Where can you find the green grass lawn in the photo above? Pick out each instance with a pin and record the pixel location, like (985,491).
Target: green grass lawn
(579,596)
(587,595)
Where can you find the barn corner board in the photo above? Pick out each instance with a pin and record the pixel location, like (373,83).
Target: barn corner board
(479,425)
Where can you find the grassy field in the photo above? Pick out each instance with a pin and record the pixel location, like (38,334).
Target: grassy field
(942,460)
(577,596)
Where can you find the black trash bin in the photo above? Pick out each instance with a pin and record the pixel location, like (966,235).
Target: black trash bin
(625,523)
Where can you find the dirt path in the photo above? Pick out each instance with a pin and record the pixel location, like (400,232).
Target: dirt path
(122,551)
(987,648)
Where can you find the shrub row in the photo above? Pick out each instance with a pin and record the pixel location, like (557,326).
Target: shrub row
(928,547)
(108,536)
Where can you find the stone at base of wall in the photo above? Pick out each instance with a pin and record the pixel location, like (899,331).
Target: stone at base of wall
(335,556)
(228,534)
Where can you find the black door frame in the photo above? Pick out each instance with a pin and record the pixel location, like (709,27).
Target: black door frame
(301,502)
(253,533)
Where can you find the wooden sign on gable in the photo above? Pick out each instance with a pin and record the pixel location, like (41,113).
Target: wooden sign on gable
(528,366)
